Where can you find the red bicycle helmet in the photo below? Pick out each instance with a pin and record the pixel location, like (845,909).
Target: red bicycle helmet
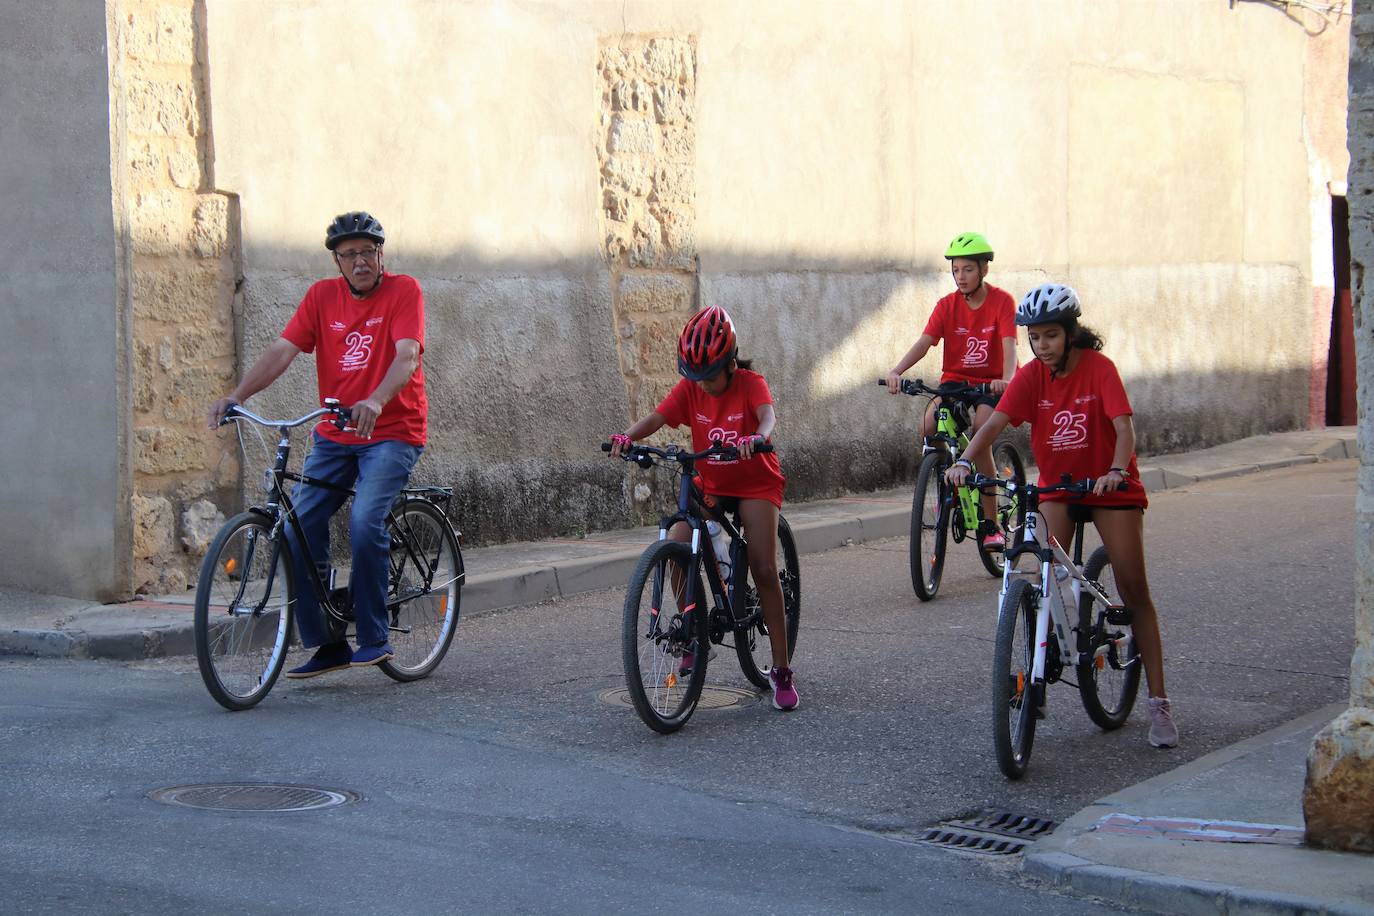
(707,344)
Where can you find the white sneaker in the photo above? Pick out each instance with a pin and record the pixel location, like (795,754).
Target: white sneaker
(1163,731)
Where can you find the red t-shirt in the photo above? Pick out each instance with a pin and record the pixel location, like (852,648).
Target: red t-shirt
(728,417)
(354,342)
(1071,424)
(973,337)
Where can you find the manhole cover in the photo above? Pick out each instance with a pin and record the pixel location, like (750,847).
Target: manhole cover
(253,797)
(711,697)
(991,831)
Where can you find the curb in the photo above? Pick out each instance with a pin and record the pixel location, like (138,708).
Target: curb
(1168,893)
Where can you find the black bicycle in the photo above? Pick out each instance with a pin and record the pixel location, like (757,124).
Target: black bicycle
(666,631)
(246,593)
(939,511)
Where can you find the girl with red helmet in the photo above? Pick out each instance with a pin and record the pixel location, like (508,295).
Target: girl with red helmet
(724,401)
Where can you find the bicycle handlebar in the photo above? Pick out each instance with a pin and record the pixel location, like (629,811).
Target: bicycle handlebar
(342,415)
(1066,485)
(960,391)
(646,453)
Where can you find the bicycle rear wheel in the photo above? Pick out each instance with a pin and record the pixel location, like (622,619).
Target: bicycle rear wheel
(752,642)
(1010,517)
(929,525)
(243,607)
(1014,698)
(1110,678)
(424,590)
(658,633)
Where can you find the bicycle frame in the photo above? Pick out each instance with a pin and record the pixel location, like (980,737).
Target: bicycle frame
(1051,558)
(693,511)
(953,434)
(282,512)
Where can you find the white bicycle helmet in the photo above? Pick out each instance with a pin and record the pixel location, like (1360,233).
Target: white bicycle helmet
(1048,302)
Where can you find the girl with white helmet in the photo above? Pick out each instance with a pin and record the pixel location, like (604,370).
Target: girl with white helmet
(1081,426)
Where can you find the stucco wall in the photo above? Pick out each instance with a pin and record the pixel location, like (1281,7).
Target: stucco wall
(1153,154)
(63,496)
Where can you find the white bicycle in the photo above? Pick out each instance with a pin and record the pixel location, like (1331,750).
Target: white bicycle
(1039,638)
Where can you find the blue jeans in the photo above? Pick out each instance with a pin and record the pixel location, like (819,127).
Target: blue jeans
(379,470)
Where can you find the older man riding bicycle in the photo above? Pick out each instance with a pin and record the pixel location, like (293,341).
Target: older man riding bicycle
(366,328)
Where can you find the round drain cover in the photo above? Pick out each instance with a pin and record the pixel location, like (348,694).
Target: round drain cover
(711,697)
(254,796)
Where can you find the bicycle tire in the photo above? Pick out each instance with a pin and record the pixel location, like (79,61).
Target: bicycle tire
(752,642)
(244,596)
(1011,510)
(424,590)
(1014,699)
(654,642)
(1106,675)
(929,525)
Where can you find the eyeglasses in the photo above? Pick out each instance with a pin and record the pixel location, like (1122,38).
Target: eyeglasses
(366,254)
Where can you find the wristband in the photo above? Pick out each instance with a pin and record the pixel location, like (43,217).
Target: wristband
(1122,471)
(965,462)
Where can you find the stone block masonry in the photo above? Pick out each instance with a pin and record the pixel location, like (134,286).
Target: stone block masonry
(646,158)
(182,290)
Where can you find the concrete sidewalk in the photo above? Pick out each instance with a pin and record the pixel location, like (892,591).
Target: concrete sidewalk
(1219,835)
(1222,834)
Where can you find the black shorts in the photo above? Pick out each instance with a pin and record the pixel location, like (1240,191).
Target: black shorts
(988,399)
(1079,512)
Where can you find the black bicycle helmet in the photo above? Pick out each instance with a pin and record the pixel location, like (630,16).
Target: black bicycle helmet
(356,225)
(1048,302)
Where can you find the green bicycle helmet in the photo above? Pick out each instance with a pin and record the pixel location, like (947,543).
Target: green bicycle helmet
(969,245)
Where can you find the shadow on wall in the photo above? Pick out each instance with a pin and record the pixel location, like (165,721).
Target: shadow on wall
(525,382)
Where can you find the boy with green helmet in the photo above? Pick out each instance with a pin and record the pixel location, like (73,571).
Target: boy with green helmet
(977,322)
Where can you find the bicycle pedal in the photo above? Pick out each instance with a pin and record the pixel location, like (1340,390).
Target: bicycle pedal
(1119,615)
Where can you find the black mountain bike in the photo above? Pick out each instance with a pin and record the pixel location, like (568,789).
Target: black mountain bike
(246,593)
(667,629)
(939,511)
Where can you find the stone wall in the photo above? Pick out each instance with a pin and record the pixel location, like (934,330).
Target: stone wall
(182,291)
(646,158)
(1338,799)
(587,174)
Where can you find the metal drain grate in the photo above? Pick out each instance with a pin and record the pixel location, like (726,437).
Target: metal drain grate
(991,831)
(711,697)
(271,797)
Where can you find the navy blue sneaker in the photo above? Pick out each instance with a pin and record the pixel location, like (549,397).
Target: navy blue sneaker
(335,656)
(372,655)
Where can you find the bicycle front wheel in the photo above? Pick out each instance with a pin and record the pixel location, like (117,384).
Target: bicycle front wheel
(1010,516)
(929,525)
(1109,676)
(424,590)
(753,645)
(244,598)
(1014,697)
(664,643)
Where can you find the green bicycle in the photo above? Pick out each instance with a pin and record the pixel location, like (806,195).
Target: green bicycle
(940,512)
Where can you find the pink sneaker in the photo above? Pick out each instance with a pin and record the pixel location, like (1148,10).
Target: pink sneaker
(995,541)
(784,693)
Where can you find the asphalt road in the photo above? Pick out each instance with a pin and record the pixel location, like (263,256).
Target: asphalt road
(508,783)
